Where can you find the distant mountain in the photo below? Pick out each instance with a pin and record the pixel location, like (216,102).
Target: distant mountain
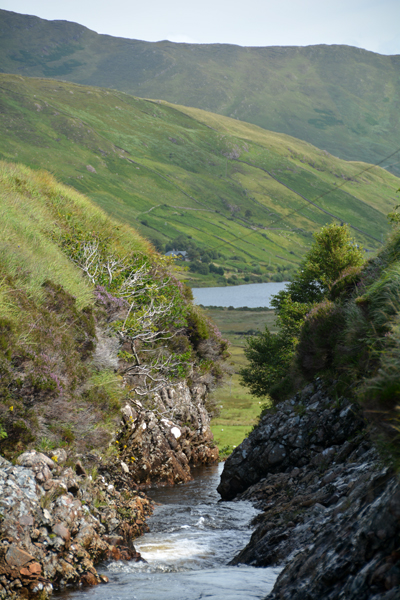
(341,99)
(243,198)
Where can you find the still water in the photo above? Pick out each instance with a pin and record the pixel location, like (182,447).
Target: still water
(192,538)
(252,295)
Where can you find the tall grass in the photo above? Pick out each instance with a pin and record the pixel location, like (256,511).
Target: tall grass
(34,211)
(48,314)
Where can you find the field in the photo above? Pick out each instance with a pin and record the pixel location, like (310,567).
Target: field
(239,410)
(249,200)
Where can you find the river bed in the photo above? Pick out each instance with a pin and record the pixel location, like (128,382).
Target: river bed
(192,537)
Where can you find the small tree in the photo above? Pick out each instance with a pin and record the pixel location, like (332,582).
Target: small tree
(270,355)
(332,252)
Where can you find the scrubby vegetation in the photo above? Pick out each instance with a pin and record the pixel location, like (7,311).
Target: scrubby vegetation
(90,314)
(339,320)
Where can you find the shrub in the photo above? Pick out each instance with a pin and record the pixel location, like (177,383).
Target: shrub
(269,356)
(318,339)
(272,368)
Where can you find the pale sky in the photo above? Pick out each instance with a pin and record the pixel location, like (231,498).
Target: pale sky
(370,24)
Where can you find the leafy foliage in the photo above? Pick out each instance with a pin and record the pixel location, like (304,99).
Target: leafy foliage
(332,253)
(302,316)
(351,337)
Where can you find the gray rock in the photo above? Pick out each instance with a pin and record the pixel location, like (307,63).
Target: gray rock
(331,511)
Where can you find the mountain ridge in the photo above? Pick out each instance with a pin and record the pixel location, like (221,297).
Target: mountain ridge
(339,98)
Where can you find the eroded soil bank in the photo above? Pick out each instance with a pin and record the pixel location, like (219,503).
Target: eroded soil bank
(331,508)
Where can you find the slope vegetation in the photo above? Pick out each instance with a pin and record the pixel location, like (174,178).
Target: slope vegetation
(341,99)
(90,317)
(241,198)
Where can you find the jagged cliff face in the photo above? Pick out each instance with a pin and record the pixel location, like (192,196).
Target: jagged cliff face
(331,508)
(160,445)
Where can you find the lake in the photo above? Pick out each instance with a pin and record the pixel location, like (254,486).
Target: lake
(251,295)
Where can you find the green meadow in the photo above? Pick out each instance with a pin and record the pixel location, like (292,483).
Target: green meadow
(239,410)
(251,198)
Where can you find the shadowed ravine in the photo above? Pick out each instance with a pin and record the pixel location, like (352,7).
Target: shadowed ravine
(192,538)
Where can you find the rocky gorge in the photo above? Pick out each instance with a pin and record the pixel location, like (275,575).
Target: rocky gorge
(330,505)
(60,513)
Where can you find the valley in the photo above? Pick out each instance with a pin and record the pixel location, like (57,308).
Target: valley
(132,412)
(235,196)
(341,99)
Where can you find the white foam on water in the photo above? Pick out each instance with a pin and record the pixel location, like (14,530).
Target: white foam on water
(174,548)
(193,536)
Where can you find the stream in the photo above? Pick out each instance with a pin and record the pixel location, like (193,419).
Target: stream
(192,538)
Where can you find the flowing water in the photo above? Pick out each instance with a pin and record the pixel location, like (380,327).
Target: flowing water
(192,538)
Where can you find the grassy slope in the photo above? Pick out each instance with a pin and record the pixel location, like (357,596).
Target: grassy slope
(171,170)
(239,410)
(343,99)
(46,316)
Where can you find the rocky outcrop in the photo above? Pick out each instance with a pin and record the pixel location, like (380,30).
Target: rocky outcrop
(331,509)
(158,445)
(55,524)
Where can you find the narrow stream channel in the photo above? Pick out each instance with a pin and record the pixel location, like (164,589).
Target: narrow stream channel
(192,538)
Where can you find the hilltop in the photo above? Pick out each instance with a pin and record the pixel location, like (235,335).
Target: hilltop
(341,99)
(244,202)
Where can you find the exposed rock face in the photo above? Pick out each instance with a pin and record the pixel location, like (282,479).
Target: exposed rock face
(159,445)
(302,432)
(56,522)
(331,510)
(55,525)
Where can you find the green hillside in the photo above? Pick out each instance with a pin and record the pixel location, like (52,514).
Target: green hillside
(243,199)
(48,317)
(90,318)
(341,99)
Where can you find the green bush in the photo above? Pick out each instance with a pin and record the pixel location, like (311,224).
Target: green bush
(318,339)
(308,330)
